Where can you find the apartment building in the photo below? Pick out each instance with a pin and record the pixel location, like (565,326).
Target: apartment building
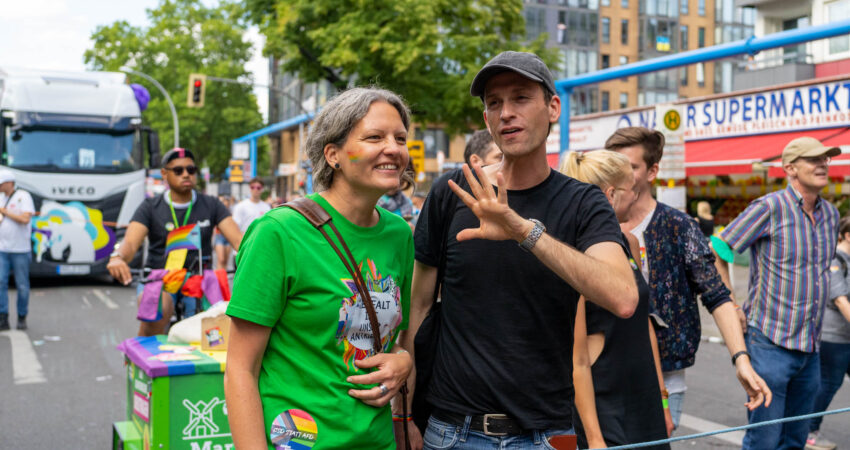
(816,59)
(597,34)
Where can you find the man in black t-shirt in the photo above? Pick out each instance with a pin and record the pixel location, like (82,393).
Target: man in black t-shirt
(178,206)
(503,364)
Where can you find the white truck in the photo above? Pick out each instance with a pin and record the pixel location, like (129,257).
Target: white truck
(76,142)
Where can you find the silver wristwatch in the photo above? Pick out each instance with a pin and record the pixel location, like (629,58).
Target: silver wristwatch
(528,243)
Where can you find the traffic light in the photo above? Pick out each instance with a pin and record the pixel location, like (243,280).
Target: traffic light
(197,88)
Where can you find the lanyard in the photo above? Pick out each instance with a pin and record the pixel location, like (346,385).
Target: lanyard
(188,211)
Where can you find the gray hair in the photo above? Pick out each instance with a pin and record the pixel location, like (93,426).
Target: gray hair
(336,120)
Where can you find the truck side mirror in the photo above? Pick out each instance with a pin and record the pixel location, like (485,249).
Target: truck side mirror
(153,148)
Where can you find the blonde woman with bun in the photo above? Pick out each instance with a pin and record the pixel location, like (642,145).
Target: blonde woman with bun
(616,366)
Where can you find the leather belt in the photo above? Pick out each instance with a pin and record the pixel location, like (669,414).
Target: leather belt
(489,424)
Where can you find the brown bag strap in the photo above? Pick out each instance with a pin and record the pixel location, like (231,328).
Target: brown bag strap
(318,217)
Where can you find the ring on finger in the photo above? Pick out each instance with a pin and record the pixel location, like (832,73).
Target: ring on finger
(384,390)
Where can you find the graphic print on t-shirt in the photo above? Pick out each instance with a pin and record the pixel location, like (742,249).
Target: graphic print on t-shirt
(294,429)
(354,330)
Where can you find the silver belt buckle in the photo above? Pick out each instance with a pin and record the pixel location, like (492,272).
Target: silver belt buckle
(487,417)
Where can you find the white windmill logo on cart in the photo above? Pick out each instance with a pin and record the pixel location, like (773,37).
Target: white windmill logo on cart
(201,423)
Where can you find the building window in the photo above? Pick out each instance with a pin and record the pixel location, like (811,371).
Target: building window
(606,3)
(578,61)
(839,10)
(701,37)
(624,4)
(701,74)
(624,100)
(683,8)
(535,22)
(606,30)
(623,61)
(683,76)
(562,27)
(436,140)
(683,36)
(606,61)
(701,7)
(605,101)
(624,31)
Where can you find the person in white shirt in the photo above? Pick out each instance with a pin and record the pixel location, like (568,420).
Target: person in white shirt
(15,247)
(251,208)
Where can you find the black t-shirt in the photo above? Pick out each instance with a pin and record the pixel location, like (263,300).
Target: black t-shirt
(506,334)
(625,381)
(155,214)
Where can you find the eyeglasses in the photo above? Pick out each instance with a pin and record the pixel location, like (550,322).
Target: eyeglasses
(256,188)
(178,170)
(816,159)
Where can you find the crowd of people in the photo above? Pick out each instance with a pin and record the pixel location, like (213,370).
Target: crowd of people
(512,304)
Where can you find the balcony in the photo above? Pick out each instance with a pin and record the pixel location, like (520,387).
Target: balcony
(787,68)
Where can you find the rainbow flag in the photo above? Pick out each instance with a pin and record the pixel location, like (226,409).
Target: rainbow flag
(187,236)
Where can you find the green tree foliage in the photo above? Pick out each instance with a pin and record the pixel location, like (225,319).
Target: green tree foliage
(427,51)
(185,37)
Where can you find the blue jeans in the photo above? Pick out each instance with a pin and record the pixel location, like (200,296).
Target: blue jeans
(19,263)
(792,376)
(834,364)
(675,403)
(441,435)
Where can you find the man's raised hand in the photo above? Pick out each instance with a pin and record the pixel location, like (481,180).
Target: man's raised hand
(497,221)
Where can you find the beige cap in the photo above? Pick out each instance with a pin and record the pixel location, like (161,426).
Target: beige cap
(806,146)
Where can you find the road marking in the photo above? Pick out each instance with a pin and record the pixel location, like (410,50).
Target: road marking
(25,365)
(105,299)
(86,302)
(704,426)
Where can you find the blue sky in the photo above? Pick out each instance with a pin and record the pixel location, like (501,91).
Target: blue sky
(53,34)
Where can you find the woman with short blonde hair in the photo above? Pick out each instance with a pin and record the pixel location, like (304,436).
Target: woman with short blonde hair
(616,366)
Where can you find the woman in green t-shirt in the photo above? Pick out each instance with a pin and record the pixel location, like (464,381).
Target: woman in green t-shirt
(301,368)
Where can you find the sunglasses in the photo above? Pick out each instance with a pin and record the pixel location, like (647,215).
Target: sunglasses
(256,188)
(178,170)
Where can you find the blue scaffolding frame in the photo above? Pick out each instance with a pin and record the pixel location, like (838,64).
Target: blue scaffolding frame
(749,46)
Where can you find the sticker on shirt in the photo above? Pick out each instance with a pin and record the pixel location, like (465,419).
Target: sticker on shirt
(633,263)
(833,268)
(294,429)
(354,331)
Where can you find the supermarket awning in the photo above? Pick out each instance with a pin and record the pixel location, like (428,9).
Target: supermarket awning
(736,155)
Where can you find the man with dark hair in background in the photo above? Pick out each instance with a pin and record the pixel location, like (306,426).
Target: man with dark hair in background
(678,265)
(480,149)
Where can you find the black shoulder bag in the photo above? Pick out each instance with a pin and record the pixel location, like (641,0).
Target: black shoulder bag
(425,341)
(318,217)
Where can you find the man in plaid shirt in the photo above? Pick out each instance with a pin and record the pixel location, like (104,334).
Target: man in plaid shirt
(792,235)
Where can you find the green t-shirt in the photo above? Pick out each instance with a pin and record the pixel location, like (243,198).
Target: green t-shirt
(290,279)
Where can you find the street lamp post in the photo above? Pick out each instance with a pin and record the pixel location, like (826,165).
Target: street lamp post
(167,98)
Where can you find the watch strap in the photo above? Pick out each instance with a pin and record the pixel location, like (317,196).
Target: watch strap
(531,240)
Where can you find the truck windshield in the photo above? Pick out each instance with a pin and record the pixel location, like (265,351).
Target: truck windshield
(62,150)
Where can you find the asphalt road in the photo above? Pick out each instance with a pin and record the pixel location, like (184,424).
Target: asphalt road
(65,386)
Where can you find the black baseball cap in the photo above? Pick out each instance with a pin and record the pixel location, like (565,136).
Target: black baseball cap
(526,64)
(176,153)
